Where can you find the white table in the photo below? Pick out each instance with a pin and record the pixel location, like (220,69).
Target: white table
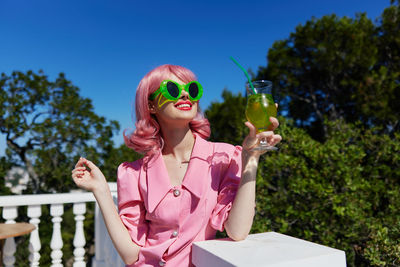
(266,249)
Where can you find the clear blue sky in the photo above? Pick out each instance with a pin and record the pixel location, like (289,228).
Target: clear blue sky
(106,47)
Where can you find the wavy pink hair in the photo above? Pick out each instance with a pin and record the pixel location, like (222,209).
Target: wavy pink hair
(147,139)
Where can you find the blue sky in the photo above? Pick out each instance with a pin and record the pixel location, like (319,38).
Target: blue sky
(106,47)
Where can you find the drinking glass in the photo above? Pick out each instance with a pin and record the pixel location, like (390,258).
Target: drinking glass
(260,107)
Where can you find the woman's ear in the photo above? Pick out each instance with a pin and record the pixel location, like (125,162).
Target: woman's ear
(151,107)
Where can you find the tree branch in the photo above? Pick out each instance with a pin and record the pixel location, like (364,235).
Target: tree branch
(33,122)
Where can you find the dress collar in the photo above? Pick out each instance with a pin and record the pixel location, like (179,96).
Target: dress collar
(158,182)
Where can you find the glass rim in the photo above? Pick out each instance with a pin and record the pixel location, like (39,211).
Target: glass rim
(260,87)
(266,82)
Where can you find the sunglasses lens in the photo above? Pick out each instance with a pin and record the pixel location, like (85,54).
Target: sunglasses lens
(193,90)
(173,89)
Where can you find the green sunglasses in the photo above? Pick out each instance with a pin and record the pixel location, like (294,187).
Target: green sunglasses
(172,90)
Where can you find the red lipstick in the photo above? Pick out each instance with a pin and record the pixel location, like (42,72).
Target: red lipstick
(184,105)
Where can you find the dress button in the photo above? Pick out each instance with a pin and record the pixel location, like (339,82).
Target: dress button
(161,263)
(177,192)
(175,233)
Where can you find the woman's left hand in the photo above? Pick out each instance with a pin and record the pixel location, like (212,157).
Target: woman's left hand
(253,139)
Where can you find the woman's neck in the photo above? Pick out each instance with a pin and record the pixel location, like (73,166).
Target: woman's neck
(178,142)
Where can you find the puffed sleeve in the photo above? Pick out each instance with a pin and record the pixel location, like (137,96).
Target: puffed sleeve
(227,190)
(130,203)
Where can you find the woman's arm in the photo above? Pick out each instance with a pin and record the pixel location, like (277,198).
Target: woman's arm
(94,180)
(241,216)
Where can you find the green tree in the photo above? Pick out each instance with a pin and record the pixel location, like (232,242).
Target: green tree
(382,87)
(339,68)
(227,118)
(48,125)
(4,167)
(114,158)
(335,193)
(342,192)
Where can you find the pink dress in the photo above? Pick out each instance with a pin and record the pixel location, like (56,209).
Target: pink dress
(165,220)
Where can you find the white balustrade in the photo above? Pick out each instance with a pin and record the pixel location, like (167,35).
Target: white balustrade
(79,239)
(34,213)
(9,214)
(34,203)
(56,244)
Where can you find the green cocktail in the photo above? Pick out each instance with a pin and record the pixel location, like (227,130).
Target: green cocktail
(258,110)
(260,107)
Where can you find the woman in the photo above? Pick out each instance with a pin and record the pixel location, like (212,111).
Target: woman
(185,188)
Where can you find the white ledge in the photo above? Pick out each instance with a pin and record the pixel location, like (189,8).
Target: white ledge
(41,199)
(266,249)
(57,198)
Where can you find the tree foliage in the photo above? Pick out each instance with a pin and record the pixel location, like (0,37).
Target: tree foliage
(48,125)
(342,192)
(227,122)
(4,167)
(339,68)
(114,158)
(335,179)
(335,193)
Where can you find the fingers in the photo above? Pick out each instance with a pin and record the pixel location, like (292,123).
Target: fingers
(90,164)
(81,168)
(274,123)
(78,169)
(252,129)
(269,136)
(84,162)
(79,163)
(78,172)
(276,138)
(264,135)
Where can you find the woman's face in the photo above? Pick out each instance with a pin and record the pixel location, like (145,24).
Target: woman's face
(181,111)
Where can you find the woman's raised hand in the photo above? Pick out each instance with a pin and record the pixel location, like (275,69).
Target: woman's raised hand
(252,139)
(88,176)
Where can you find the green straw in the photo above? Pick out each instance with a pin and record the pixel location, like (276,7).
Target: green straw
(245,73)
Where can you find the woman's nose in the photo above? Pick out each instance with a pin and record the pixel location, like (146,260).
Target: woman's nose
(184,94)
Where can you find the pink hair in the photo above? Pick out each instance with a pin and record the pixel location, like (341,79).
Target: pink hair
(147,139)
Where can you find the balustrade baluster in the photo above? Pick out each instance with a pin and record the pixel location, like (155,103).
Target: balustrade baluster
(34,213)
(9,214)
(56,244)
(79,239)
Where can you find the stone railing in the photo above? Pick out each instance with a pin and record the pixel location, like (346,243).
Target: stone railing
(105,254)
